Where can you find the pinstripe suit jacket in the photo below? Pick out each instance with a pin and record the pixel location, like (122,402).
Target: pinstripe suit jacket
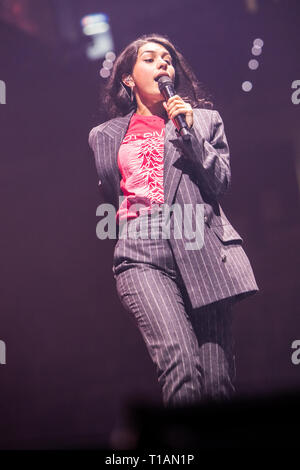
(197,172)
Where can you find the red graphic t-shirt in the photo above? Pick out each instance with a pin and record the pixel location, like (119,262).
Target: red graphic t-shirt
(141,163)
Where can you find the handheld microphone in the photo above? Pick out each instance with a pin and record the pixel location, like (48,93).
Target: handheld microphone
(166,88)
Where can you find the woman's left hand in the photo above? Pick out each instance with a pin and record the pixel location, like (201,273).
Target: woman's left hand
(175,105)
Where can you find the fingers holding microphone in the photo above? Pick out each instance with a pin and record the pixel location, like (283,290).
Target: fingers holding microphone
(176,105)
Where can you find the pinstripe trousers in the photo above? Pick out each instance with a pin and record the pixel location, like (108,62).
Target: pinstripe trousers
(192,349)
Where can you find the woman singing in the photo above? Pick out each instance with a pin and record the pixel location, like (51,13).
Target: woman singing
(178,291)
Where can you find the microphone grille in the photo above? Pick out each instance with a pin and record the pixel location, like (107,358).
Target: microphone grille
(163,81)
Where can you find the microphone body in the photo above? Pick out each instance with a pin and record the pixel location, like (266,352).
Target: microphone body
(166,88)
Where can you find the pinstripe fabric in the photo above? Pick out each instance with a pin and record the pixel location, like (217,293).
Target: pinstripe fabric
(181,299)
(192,349)
(195,173)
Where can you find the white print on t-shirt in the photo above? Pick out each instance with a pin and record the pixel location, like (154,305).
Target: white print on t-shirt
(144,135)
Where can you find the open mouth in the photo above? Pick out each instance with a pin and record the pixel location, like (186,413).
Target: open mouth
(161,75)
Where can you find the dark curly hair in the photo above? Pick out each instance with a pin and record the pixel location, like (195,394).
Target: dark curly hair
(115,96)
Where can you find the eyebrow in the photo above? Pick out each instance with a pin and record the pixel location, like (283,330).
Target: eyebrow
(165,53)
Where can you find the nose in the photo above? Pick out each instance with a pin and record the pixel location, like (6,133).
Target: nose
(162,63)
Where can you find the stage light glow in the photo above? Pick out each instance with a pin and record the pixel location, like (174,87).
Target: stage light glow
(104,73)
(247,86)
(258,42)
(92,29)
(256,50)
(96,27)
(107,64)
(110,56)
(95,24)
(253,64)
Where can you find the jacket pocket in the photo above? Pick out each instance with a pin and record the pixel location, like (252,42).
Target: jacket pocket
(227,234)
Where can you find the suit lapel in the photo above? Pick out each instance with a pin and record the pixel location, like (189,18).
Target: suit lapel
(116,130)
(171,173)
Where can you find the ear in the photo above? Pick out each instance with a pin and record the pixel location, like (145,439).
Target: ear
(128,80)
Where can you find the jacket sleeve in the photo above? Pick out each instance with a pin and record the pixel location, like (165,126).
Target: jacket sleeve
(210,159)
(103,150)
(92,138)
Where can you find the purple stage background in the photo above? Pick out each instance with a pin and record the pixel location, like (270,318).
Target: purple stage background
(74,358)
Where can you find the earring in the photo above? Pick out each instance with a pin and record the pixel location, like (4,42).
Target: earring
(131,92)
(130,96)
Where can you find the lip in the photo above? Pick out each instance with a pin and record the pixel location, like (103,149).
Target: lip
(163,74)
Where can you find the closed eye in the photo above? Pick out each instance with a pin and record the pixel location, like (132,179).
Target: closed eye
(168,62)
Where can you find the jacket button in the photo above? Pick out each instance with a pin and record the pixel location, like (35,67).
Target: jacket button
(99,183)
(205,218)
(224,258)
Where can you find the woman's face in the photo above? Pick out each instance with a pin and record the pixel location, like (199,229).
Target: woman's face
(152,60)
